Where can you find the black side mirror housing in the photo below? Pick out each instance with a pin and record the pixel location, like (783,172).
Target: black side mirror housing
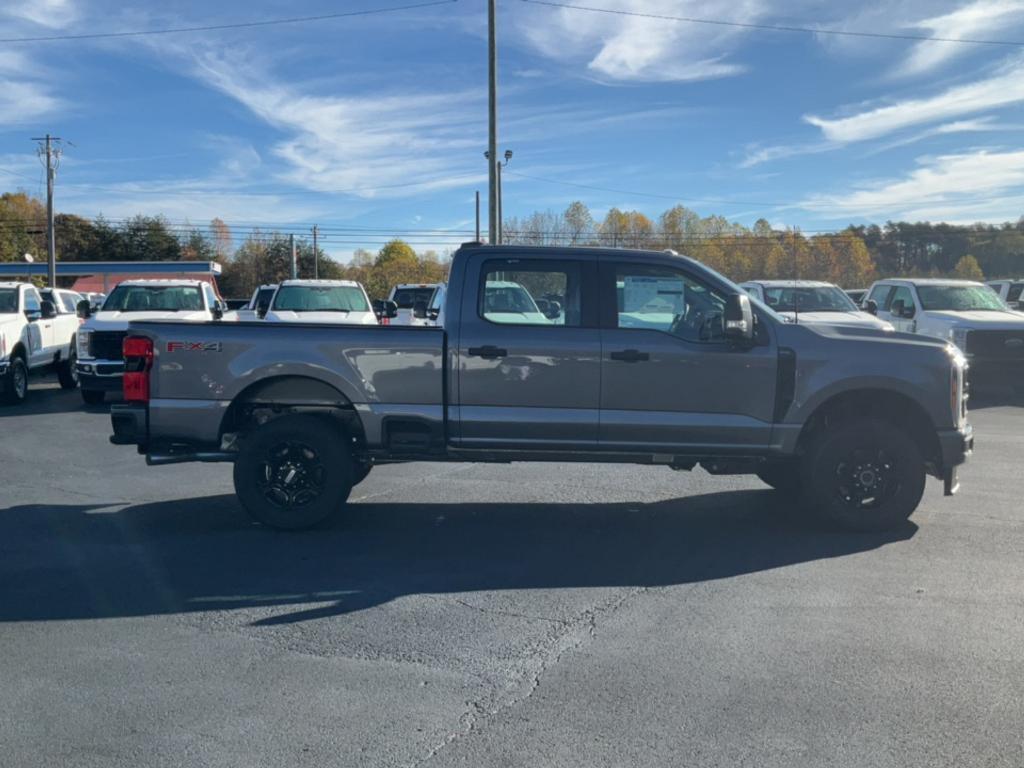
(217,311)
(419,310)
(871,307)
(83,308)
(46,310)
(262,307)
(739,318)
(390,310)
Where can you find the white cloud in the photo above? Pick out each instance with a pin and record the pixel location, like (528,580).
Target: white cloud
(974,20)
(1005,87)
(46,13)
(25,94)
(363,144)
(981,184)
(629,48)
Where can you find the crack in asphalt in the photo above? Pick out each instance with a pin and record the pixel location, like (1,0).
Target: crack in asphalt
(525,676)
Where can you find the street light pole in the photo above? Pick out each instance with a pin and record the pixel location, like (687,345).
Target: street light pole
(492,119)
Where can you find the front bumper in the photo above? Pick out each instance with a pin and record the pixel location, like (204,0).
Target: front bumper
(957,446)
(100,375)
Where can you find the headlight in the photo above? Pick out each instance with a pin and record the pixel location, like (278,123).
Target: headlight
(83,343)
(959,337)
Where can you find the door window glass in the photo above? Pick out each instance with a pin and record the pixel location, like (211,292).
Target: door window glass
(211,299)
(32,301)
(902,293)
(662,299)
(518,294)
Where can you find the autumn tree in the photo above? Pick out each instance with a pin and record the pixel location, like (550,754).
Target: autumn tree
(967,268)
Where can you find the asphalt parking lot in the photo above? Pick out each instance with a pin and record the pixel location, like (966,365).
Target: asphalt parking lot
(522,615)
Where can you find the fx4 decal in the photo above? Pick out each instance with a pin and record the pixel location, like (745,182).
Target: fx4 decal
(193,346)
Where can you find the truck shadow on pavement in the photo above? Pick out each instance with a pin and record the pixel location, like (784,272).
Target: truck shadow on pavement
(84,561)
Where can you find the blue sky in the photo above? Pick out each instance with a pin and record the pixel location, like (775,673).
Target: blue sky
(379,122)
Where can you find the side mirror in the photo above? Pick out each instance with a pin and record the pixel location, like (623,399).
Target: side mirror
(217,311)
(554,310)
(739,317)
(262,307)
(871,307)
(433,314)
(47,310)
(419,309)
(83,308)
(390,310)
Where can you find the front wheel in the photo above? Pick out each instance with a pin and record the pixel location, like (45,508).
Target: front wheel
(16,386)
(294,472)
(67,370)
(866,476)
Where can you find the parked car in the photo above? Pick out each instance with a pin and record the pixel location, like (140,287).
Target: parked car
(100,359)
(810,301)
(257,305)
(1009,291)
(338,302)
(967,313)
(34,337)
(849,419)
(412,299)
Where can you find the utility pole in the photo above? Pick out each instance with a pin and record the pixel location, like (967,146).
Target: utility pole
(492,119)
(478,216)
(52,160)
(499,240)
(316,257)
(295,259)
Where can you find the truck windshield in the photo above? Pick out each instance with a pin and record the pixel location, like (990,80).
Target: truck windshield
(406,298)
(153,298)
(808,299)
(320,298)
(8,301)
(959,298)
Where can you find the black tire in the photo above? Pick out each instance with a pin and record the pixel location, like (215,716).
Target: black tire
(16,384)
(359,471)
(783,477)
(863,476)
(67,372)
(93,396)
(294,472)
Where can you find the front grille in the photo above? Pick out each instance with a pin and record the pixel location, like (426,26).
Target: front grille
(106,345)
(996,345)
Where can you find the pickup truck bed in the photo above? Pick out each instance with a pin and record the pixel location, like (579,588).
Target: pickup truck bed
(556,354)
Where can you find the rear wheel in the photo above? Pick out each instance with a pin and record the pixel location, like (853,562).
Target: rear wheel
(865,476)
(294,472)
(67,370)
(93,396)
(16,386)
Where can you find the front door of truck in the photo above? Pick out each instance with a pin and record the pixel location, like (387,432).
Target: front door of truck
(670,380)
(529,353)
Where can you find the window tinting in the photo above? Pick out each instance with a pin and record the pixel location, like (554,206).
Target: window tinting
(406,298)
(523,295)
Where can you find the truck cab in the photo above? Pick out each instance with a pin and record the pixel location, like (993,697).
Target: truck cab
(413,300)
(335,302)
(812,301)
(100,361)
(34,337)
(1009,291)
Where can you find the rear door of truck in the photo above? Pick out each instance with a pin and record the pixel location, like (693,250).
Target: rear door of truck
(528,378)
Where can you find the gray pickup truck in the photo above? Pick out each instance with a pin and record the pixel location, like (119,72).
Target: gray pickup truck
(556,355)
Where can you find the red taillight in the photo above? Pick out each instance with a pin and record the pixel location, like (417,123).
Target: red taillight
(138,359)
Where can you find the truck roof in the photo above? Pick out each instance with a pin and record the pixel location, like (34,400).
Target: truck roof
(167,283)
(313,283)
(789,283)
(12,284)
(929,281)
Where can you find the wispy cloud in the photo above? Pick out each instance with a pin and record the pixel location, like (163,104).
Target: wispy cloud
(628,48)
(974,20)
(25,93)
(983,184)
(54,14)
(1003,88)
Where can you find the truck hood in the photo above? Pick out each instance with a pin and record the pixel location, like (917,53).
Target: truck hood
(838,318)
(864,333)
(1007,320)
(118,321)
(329,318)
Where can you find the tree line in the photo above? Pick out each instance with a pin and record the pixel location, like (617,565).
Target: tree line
(851,257)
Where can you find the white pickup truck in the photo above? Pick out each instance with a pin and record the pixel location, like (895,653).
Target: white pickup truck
(257,307)
(812,301)
(967,313)
(1009,291)
(33,337)
(336,302)
(100,358)
(412,300)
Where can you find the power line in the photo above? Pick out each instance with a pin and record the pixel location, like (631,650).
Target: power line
(218,27)
(781,27)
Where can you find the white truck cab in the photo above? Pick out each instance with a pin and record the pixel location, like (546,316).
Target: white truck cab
(100,359)
(258,304)
(967,313)
(1009,291)
(339,302)
(812,302)
(413,300)
(34,336)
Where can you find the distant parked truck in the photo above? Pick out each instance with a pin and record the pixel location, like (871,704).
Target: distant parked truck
(100,360)
(338,302)
(1009,291)
(966,313)
(33,337)
(413,300)
(811,301)
(256,307)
